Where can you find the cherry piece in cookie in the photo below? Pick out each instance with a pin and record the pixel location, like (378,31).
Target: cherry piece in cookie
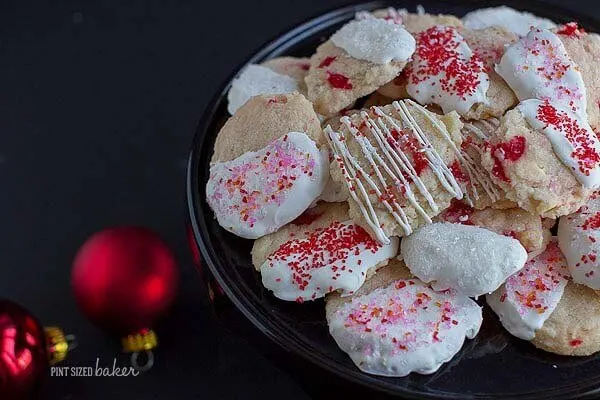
(472,260)
(259,192)
(579,240)
(337,257)
(529,296)
(403,327)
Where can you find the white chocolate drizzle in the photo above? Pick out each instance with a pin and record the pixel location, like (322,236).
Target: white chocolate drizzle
(385,156)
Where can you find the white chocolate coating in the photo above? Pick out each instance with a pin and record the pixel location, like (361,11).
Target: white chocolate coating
(470,259)
(375,40)
(335,258)
(572,138)
(539,67)
(404,327)
(256,80)
(259,192)
(579,240)
(518,22)
(529,296)
(446,72)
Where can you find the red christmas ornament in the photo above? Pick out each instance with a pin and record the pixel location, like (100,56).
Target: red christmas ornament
(124,278)
(26,350)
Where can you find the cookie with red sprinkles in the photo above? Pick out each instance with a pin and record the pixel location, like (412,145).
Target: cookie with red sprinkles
(398,326)
(319,255)
(522,161)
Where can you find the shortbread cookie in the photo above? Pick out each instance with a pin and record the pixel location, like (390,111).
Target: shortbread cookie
(259,192)
(579,240)
(470,259)
(359,58)
(255,80)
(573,328)
(513,222)
(296,68)
(453,67)
(518,22)
(584,50)
(307,261)
(263,119)
(402,164)
(523,161)
(528,298)
(394,325)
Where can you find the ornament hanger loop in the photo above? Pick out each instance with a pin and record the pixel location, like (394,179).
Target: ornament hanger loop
(145,366)
(71,342)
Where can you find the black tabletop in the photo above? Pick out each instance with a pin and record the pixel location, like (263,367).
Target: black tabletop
(98,105)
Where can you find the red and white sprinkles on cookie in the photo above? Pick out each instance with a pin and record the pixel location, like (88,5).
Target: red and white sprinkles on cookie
(259,192)
(579,240)
(539,67)
(404,327)
(529,296)
(327,259)
(445,71)
(572,138)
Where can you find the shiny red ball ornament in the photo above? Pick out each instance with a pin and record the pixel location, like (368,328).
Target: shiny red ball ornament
(23,356)
(124,278)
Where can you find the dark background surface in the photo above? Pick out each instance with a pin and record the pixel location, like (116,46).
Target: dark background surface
(99,101)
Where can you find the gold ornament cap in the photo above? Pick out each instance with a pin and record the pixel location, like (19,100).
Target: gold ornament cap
(58,344)
(140,345)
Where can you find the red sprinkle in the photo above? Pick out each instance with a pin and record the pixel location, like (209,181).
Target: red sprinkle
(458,213)
(339,81)
(437,47)
(571,29)
(575,342)
(584,153)
(327,61)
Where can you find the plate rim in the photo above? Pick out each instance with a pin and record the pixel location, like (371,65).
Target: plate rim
(275,331)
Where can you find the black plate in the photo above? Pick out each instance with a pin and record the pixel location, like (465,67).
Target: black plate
(493,365)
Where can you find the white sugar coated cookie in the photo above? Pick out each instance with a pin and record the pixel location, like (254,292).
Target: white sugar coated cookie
(515,21)
(472,260)
(375,40)
(402,326)
(259,192)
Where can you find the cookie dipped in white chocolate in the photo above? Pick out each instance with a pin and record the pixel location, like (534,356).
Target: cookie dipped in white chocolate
(470,259)
(375,40)
(518,22)
(259,192)
(403,327)
(572,138)
(446,72)
(337,257)
(529,296)
(579,240)
(256,80)
(539,67)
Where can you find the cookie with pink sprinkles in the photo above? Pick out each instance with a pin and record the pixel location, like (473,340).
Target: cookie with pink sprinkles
(398,325)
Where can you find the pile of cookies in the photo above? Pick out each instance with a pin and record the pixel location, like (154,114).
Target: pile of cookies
(414,164)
